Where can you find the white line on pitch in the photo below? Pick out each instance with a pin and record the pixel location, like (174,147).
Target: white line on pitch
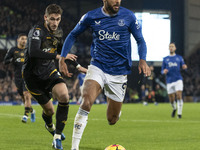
(123,120)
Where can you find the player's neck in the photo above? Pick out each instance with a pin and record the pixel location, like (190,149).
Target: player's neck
(172,54)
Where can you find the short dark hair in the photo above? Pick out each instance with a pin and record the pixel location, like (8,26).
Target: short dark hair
(53,9)
(173,43)
(21,34)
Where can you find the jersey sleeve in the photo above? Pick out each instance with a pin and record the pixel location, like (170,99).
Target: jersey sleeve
(182,61)
(135,29)
(82,25)
(163,66)
(34,45)
(9,56)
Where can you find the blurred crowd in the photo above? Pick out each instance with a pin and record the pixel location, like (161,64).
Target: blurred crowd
(8,90)
(192,77)
(19,17)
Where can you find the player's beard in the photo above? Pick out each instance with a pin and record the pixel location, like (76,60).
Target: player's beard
(172,52)
(49,27)
(111,9)
(22,44)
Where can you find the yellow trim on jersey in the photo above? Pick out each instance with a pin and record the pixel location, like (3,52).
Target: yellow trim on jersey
(38,28)
(52,72)
(32,92)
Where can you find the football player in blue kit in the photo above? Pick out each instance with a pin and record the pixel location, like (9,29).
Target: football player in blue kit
(111,60)
(171,67)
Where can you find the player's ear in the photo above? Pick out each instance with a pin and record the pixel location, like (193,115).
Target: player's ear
(45,17)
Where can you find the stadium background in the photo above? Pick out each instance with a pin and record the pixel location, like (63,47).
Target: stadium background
(19,16)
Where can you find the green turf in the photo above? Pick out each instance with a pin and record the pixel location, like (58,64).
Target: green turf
(139,128)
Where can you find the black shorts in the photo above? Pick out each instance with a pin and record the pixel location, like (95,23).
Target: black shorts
(19,82)
(40,89)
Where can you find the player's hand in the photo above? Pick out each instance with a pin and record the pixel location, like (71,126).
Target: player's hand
(63,67)
(165,71)
(184,66)
(71,57)
(143,67)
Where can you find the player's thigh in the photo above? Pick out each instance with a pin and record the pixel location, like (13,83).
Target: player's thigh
(179,89)
(19,85)
(91,90)
(113,108)
(171,88)
(60,92)
(27,95)
(115,87)
(92,86)
(37,89)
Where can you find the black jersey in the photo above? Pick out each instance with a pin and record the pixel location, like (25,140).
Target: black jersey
(42,48)
(16,56)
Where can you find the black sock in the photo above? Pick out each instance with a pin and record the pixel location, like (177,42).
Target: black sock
(61,116)
(31,109)
(27,110)
(47,120)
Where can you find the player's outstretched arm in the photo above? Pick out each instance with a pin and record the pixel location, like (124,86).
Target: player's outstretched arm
(143,67)
(81,69)
(9,56)
(63,67)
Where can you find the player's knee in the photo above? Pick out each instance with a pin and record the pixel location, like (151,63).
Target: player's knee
(49,112)
(179,97)
(86,103)
(63,98)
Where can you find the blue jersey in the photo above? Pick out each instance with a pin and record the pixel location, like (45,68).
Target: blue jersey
(81,77)
(173,64)
(111,46)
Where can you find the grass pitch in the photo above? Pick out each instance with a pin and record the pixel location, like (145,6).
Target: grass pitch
(139,128)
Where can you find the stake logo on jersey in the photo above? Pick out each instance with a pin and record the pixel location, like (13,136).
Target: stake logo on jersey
(171,64)
(103,35)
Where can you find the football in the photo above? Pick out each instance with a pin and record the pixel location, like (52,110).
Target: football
(115,147)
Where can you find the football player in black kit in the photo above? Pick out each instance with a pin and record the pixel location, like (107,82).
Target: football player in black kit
(40,74)
(16,56)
